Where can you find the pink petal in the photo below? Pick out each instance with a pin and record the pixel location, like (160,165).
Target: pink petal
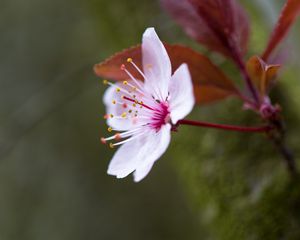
(156,64)
(182,98)
(139,153)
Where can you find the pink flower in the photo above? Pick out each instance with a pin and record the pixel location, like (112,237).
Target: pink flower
(142,113)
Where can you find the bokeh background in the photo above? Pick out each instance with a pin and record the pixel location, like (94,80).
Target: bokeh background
(53,182)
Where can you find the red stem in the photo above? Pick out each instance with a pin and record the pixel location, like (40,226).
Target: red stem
(224,127)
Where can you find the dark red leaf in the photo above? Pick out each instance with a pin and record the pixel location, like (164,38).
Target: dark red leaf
(210,83)
(221,25)
(288,15)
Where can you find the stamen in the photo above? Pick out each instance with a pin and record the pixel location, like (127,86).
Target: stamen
(109,129)
(137,68)
(123,68)
(128,139)
(136,102)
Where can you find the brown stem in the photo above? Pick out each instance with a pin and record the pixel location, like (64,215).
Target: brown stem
(278,139)
(289,158)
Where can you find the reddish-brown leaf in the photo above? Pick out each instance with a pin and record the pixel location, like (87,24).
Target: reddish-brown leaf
(288,15)
(222,26)
(261,74)
(210,83)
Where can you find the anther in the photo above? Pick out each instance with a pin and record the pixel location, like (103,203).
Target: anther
(123,115)
(111,145)
(118,136)
(125,82)
(118,89)
(113,101)
(103,140)
(109,129)
(105,82)
(124,105)
(129,60)
(111,115)
(123,67)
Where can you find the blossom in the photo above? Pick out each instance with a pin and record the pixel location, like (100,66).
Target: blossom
(142,112)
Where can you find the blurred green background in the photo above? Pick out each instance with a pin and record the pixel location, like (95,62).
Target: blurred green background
(53,182)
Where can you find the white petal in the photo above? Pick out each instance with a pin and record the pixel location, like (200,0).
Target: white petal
(182,98)
(156,148)
(142,172)
(156,64)
(139,153)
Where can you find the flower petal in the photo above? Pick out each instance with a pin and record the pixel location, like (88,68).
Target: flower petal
(156,64)
(142,172)
(182,98)
(140,153)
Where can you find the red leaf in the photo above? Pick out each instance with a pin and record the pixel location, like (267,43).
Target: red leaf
(222,26)
(210,83)
(288,15)
(262,74)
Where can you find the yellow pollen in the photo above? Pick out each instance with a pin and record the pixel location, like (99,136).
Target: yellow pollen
(124,114)
(125,82)
(130,111)
(118,89)
(111,115)
(113,101)
(109,129)
(111,145)
(105,82)
(129,59)
(134,105)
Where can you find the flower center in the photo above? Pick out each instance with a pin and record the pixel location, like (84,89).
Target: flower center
(138,106)
(161,116)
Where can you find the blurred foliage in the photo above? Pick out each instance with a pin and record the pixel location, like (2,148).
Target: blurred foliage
(53,182)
